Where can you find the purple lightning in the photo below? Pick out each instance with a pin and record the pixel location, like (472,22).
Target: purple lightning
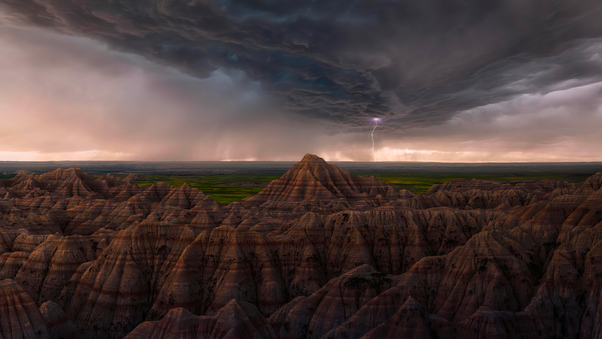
(376,120)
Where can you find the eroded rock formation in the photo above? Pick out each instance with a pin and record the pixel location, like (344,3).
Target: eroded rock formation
(319,253)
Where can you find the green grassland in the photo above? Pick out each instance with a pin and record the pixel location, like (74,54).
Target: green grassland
(420,183)
(222,188)
(225,189)
(229,188)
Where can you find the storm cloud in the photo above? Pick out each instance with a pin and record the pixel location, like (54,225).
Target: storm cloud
(74,96)
(325,68)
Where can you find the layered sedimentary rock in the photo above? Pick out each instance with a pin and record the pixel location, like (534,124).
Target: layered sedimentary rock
(319,253)
(412,320)
(331,305)
(234,320)
(313,183)
(59,325)
(19,314)
(116,290)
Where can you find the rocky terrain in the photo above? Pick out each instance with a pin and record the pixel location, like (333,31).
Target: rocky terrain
(319,253)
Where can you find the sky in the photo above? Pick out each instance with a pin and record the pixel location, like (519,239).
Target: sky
(450,80)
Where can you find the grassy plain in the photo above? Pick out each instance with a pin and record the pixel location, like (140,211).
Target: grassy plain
(227,182)
(222,188)
(229,188)
(420,183)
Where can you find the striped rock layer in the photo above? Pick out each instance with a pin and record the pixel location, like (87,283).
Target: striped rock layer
(319,253)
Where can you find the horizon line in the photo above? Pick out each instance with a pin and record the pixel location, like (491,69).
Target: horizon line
(333,161)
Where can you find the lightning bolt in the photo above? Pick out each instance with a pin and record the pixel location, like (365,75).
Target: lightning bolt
(372,136)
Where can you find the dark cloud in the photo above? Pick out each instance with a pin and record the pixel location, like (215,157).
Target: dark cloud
(73,98)
(415,63)
(65,97)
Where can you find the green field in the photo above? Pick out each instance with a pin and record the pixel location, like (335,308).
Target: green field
(229,188)
(420,183)
(222,188)
(225,189)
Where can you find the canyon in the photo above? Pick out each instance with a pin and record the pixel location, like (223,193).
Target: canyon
(319,253)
